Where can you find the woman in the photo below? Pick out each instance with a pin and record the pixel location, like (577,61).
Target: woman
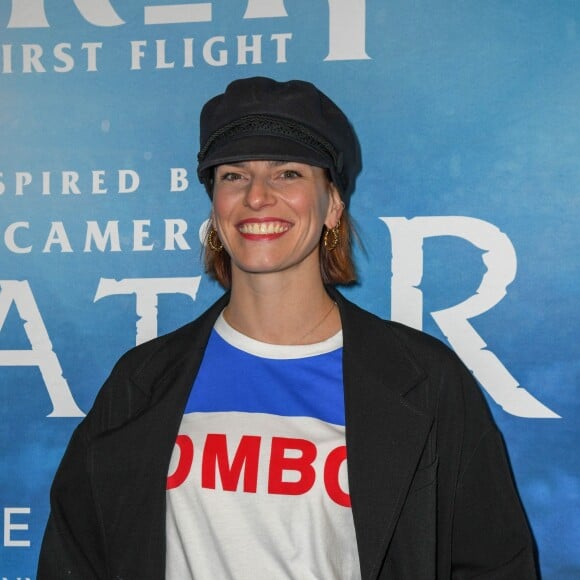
(285,433)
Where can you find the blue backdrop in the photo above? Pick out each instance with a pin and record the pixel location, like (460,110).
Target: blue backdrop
(467,208)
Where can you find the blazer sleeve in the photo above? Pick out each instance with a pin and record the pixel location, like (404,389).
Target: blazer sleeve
(72,547)
(491,539)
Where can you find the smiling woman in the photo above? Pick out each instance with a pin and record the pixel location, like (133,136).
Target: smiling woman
(286,433)
(273,201)
(285,188)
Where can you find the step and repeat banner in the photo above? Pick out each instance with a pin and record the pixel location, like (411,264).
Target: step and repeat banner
(467,209)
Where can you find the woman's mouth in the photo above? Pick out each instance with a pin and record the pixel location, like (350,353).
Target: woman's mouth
(263,229)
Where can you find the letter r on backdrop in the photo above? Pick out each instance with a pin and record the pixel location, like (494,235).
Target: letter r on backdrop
(499,257)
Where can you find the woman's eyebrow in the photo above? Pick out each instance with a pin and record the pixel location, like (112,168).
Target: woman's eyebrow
(232,164)
(271,163)
(276,163)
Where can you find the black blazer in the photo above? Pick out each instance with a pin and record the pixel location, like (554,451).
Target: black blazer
(431,490)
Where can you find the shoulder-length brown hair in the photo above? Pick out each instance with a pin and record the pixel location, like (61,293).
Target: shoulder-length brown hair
(336,265)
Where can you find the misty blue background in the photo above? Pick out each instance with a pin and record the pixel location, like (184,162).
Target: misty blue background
(465,108)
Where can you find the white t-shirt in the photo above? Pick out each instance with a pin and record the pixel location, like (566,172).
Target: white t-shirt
(257,486)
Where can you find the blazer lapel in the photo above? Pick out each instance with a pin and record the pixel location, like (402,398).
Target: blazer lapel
(385,434)
(134,515)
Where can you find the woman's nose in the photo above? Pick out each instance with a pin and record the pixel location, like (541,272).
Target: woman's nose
(259,193)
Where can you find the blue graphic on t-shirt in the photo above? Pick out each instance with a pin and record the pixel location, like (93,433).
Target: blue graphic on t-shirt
(231,379)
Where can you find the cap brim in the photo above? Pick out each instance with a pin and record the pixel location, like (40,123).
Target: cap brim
(262,147)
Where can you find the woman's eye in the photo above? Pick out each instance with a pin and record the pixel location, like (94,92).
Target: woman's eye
(290,174)
(230,176)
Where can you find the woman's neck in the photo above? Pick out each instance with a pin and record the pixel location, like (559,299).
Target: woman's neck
(279,311)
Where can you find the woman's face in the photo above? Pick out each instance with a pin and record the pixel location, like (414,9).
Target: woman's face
(270,214)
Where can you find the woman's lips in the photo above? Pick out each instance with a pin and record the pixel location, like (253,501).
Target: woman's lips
(263,229)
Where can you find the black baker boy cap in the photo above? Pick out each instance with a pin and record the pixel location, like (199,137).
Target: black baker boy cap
(261,119)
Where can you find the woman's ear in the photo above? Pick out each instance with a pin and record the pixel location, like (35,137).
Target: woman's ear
(335,208)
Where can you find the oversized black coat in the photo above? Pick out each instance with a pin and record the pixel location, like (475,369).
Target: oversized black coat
(431,490)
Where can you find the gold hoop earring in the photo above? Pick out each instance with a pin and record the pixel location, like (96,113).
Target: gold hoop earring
(213,241)
(331,238)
